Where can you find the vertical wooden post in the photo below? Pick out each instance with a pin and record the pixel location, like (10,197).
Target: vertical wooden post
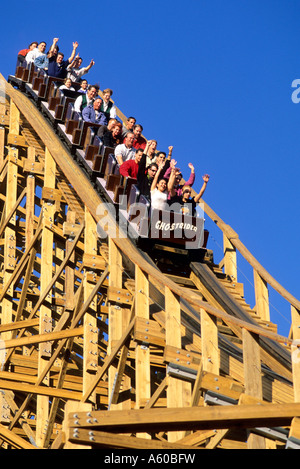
(295,352)
(252,378)
(69,282)
(209,340)
(45,323)
(30,205)
(230,262)
(10,234)
(179,391)
(72,407)
(30,195)
(90,350)
(142,351)
(2,144)
(118,321)
(261,297)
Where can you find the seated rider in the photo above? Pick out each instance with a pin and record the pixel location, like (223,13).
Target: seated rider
(160,188)
(184,203)
(129,169)
(178,176)
(93,114)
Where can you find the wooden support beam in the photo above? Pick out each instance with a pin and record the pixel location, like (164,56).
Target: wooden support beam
(230,261)
(189,418)
(119,317)
(178,391)
(90,345)
(261,297)
(209,342)
(142,356)
(295,352)
(253,380)
(73,408)
(121,365)
(14,440)
(2,144)
(109,360)
(48,211)
(109,440)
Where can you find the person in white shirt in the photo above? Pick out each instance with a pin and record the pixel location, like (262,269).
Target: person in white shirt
(75,71)
(161,188)
(85,99)
(125,151)
(37,52)
(108,106)
(67,85)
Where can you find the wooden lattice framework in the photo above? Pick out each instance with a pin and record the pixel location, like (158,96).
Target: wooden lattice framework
(99,348)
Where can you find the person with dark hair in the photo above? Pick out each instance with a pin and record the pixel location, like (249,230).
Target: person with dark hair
(22,53)
(178,177)
(36,52)
(128,126)
(139,140)
(161,188)
(184,203)
(130,167)
(75,71)
(85,99)
(83,86)
(145,176)
(57,65)
(106,128)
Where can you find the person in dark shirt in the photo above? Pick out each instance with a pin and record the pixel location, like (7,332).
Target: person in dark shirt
(145,176)
(57,65)
(112,138)
(184,203)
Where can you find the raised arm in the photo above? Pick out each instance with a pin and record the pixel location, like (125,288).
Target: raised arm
(202,190)
(90,65)
(191,179)
(170,153)
(75,45)
(171,180)
(71,65)
(155,179)
(53,46)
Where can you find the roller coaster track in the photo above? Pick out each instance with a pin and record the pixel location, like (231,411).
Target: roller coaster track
(104,346)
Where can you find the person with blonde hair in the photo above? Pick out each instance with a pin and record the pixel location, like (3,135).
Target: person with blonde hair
(67,85)
(108,108)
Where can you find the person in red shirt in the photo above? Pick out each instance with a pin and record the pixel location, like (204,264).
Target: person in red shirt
(22,53)
(139,141)
(130,167)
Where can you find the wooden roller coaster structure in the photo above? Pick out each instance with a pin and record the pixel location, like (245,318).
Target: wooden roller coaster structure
(100,346)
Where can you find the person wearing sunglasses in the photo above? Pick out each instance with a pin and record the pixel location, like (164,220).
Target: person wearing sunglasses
(184,203)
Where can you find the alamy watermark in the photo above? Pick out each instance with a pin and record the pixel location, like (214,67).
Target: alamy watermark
(296,93)
(139,220)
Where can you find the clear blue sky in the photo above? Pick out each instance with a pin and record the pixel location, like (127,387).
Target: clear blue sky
(214,79)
